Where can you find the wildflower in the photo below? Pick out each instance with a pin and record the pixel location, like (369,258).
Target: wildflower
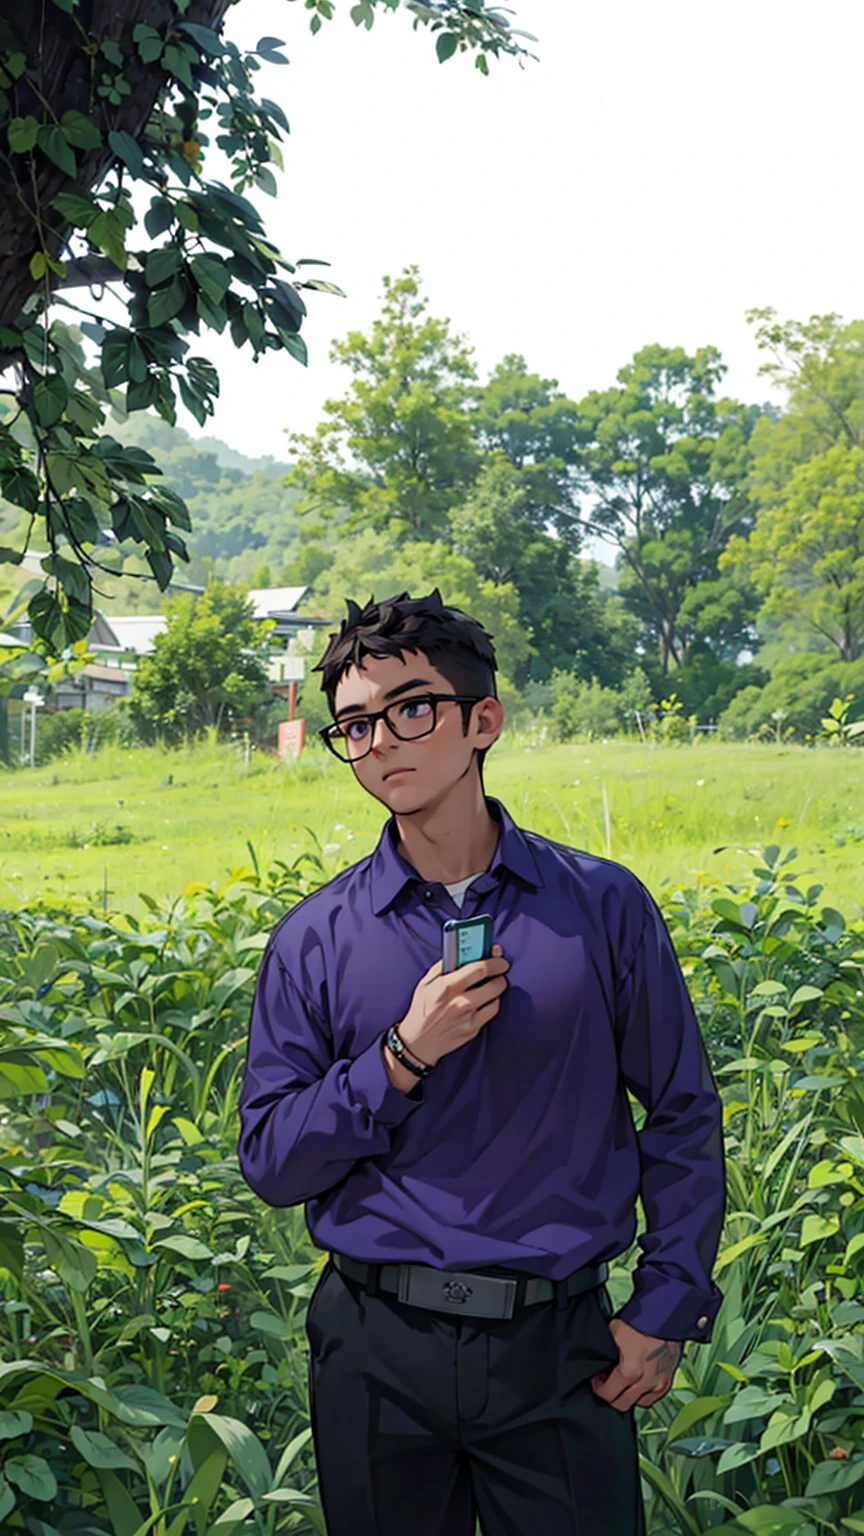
(700,781)
(223,1286)
(838,1453)
(783,821)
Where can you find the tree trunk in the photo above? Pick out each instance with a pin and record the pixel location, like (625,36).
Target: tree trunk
(68,74)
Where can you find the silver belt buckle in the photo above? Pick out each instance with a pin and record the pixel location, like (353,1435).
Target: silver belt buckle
(456,1292)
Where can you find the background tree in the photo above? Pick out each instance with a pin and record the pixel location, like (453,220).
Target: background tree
(398,447)
(805,551)
(664,466)
(572,625)
(93,98)
(207,670)
(533,423)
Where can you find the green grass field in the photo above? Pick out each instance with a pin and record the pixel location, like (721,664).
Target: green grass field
(154,821)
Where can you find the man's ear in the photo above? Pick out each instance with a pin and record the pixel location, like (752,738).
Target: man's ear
(489,720)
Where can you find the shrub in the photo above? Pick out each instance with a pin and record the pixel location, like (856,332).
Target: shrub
(803,686)
(584,709)
(73,730)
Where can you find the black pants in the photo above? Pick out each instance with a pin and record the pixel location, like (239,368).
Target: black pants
(422,1422)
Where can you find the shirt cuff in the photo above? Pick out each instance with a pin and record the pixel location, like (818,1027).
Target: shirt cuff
(371,1085)
(669,1309)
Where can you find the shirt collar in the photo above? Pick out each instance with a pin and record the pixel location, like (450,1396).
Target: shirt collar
(389,872)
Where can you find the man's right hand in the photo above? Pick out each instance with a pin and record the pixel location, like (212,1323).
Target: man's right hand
(449,1010)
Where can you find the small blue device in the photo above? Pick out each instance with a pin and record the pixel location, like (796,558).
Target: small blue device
(466,939)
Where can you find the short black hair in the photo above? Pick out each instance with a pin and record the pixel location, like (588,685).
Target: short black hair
(456,645)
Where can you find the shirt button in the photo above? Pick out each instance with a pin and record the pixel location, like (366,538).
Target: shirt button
(428,895)
(702,1322)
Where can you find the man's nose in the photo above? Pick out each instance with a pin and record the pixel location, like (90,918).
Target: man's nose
(385,734)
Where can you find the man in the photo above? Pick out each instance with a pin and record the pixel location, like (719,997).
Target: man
(464,1141)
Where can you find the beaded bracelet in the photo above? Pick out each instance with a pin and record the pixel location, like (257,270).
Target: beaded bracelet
(400,1051)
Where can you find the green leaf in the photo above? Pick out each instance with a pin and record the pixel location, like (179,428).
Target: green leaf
(205,37)
(142,394)
(805,994)
(15,64)
(192,400)
(295,345)
(70,575)
(21,487)
(159,217)
(446,46)
(265,179)
(15,1422)
(128,150)
(161,565)
(267,48)
(76,209)
(80,130)
(269,1323)
(82,519)
(162,264)
(187,217)
(164,303)
(212,277)
(176,62)
(245,1449)
(53,143)
(49,398)
(815,1228)
(115,357)
(98,1450)
(22,134)
(108,234)
(189,1247)
(151,47)
(831,1476)
(38,266)
(32,1475)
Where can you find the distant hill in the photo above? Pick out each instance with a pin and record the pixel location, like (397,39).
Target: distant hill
(231,458)
(242,513)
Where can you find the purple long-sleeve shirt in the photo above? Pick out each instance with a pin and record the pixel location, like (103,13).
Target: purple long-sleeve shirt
(520,1150)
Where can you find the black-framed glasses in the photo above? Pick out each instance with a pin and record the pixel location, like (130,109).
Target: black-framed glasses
(407,719)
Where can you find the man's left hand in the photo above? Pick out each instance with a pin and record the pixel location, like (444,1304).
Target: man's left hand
(644,1371)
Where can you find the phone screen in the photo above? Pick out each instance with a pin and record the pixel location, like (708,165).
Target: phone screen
(470,943)
(466,940)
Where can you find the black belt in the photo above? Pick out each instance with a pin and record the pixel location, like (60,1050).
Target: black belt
(466,1292)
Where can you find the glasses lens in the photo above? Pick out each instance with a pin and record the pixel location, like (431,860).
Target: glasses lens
(412,718)
(351,738)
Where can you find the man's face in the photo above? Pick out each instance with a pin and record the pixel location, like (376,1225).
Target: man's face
(408,776)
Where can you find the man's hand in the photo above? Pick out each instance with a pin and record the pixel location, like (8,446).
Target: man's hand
(644,1371)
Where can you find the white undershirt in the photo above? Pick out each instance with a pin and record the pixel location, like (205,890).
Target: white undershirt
(459,887)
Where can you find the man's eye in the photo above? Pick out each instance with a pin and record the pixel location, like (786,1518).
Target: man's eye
(355,730)
(415,709)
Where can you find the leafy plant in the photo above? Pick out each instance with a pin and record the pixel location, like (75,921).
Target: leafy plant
(836,725)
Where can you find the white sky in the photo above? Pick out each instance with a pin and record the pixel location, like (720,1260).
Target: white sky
(663,168)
